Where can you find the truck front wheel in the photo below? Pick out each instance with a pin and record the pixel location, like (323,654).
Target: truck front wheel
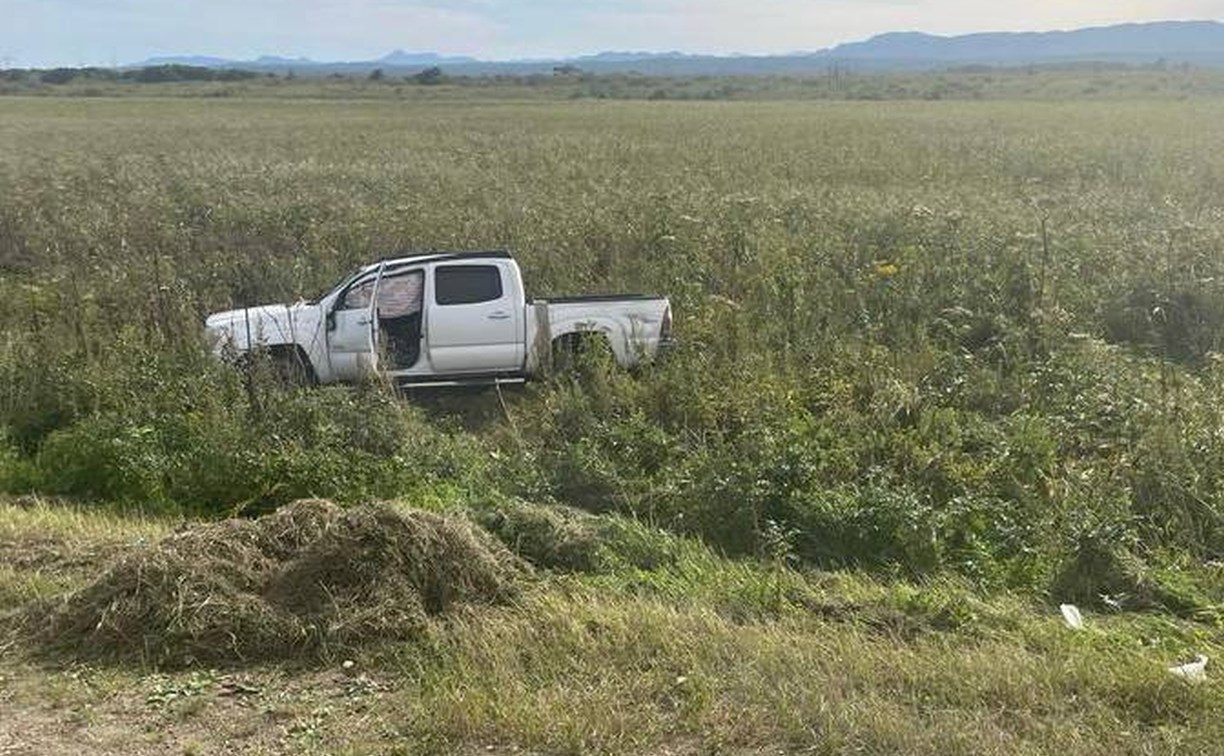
(286,365)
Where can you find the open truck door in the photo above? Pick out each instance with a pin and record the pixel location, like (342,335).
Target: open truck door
(352,329)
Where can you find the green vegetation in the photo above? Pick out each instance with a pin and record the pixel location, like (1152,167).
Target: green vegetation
(1078,81)
(942,366)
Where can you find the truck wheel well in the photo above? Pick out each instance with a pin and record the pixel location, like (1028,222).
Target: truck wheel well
(570,351)
(291,364)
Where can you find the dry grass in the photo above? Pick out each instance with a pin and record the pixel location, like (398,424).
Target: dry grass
(585,673)
(47,547)
(308,578)
(32,518)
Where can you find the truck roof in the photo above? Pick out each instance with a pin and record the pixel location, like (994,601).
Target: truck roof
(420,257)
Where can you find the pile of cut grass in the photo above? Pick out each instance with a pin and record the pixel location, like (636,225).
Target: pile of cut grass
(566,539)
(310,578)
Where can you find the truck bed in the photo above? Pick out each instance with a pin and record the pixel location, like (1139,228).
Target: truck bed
(596,298)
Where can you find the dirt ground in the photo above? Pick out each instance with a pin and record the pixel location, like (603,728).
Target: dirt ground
(101,712)
(98,711)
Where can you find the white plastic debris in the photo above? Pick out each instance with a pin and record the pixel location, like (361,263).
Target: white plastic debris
(1071,615)
(1195,671)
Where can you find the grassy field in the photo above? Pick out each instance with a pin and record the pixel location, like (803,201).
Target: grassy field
(701,656)
(943,366)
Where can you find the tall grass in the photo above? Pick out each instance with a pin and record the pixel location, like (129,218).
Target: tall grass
(915,337)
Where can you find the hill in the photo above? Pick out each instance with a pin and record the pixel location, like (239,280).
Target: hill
(1188,41)
(1194,42)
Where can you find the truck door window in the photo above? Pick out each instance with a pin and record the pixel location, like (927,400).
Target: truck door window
(467,284)
(400,295)
(358,296)
(399,317)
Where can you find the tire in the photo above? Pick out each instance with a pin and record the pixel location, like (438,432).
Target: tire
(291,368)
(581,356)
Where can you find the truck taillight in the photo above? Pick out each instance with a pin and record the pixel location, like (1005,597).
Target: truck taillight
(665,329)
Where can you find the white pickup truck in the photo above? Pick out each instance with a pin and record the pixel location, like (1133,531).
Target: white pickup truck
(442,319)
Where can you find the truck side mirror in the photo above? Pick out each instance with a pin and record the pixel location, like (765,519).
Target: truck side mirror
(331,320)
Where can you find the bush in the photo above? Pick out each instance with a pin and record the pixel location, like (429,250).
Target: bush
(1183,326)
(429,76)
(196,441)
(58,75)
(107,458)
(18,474)
(1103,571)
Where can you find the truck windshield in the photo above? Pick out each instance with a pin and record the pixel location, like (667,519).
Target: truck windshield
(343,281)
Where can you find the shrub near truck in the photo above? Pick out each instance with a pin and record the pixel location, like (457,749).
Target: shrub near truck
(440,319)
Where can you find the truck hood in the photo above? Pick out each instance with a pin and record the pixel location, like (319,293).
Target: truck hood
(267,324)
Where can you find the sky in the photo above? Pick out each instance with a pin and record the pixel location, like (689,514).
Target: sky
(40,33)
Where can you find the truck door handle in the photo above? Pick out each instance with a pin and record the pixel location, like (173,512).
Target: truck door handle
(499,315)
(365,321)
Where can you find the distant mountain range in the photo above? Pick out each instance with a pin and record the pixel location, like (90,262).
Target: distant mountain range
(395,58)
(1172,40)
(1195,42)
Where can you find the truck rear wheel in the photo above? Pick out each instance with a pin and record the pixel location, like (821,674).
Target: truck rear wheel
(581,355)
